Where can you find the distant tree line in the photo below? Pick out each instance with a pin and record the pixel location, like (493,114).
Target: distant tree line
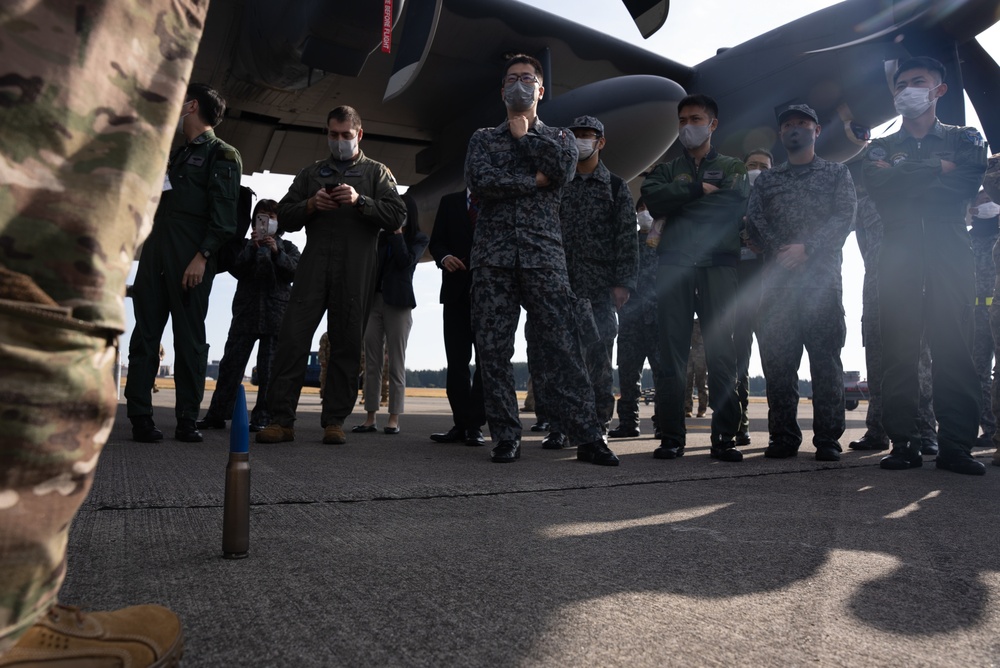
(438,378)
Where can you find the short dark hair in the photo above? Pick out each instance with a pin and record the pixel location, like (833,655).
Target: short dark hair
(211,105)
(412,220)
(266,205)
(527,60)
(699,100)
(920,62)
(345,113)
(759,151)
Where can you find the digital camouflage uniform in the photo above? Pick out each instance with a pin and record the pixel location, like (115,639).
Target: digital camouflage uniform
(336,276)
(927,280)
(991,184)
(803,308)
(697,373)
(197,213)
(82,157)
(638,339)
(598,230)
(868,232)
(749,279)
(698,252)
(263,288)
(984,234)
(518,260)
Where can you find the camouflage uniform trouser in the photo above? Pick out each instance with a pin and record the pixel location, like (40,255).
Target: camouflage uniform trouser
(871,335)
(982,340)
(637,342)
(697,380)
(791,320)
(497,297)
(92,95)
(232,368)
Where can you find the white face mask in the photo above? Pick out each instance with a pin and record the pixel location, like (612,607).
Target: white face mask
(343,149)
(180,121)
(272,226)
(693,136)
(752,175)
(645,220)
(586,147)
(988,210)
(912,102)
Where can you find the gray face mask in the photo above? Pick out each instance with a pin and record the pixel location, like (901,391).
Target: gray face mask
(343,149)
(586,148)
(519,96)
(796,139)
(693,136)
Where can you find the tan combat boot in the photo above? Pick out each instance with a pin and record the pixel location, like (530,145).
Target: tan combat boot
(334,435)
(143,635)
(275,433)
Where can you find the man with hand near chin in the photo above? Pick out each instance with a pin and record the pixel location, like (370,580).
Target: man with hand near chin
(342,202)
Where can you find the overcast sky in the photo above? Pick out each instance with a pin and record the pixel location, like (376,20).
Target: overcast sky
(693,33)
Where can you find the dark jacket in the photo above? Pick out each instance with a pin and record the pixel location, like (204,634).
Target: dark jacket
(264,286)
(452,235)
(396,263)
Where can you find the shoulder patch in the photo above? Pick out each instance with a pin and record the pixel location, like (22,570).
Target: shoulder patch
(876,153)
(897,158)
(972,136)
(228,153)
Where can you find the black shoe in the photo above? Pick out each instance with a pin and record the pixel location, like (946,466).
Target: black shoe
(960,461)
(827,453)
(621,431)
(255,427)
(144,429)
(743,438)
(598,453)
(474,437)
(210,422)
(668,451)
(453,435)
(869,442)
(555,441)
(727,452)
(928,447)
(364,429)
(506,452)
(187,431)
(984,441)
(540,426)
(781,450)
(658,435)
(904,455)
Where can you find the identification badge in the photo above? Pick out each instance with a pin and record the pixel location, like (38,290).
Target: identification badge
(166,183)
(196,160)
(713,175)
(353,172)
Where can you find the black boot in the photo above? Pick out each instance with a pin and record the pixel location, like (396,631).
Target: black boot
(596,453)
(144,429)
(187,431)
(904,455)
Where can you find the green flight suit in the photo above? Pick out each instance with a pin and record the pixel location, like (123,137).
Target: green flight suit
(926,277)
(197,213)
(698,253)
(336,276)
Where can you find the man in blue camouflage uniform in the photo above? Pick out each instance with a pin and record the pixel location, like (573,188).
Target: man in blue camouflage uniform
(598,229)
(991,185)
(638,339)
(984,232)
(868,232)
(922,179)
(799,216)
(702,197)
(518,170)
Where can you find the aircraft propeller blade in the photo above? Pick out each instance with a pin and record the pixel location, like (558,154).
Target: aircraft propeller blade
(981,74)
(649,15)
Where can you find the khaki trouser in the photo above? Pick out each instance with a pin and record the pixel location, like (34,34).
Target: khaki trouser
(82,157)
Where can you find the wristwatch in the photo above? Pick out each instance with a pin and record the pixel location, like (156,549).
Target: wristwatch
(205,253)
(361,201)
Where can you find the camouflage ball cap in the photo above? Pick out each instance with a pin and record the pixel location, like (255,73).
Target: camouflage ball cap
(802,109)
(588,122)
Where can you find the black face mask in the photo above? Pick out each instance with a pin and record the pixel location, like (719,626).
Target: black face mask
(796,139)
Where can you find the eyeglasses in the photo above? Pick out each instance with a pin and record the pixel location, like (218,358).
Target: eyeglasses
(523,78)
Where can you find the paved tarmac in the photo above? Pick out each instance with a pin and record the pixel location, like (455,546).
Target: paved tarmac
(397,551)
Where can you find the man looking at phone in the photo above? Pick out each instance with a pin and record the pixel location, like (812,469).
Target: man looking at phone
(342,202)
